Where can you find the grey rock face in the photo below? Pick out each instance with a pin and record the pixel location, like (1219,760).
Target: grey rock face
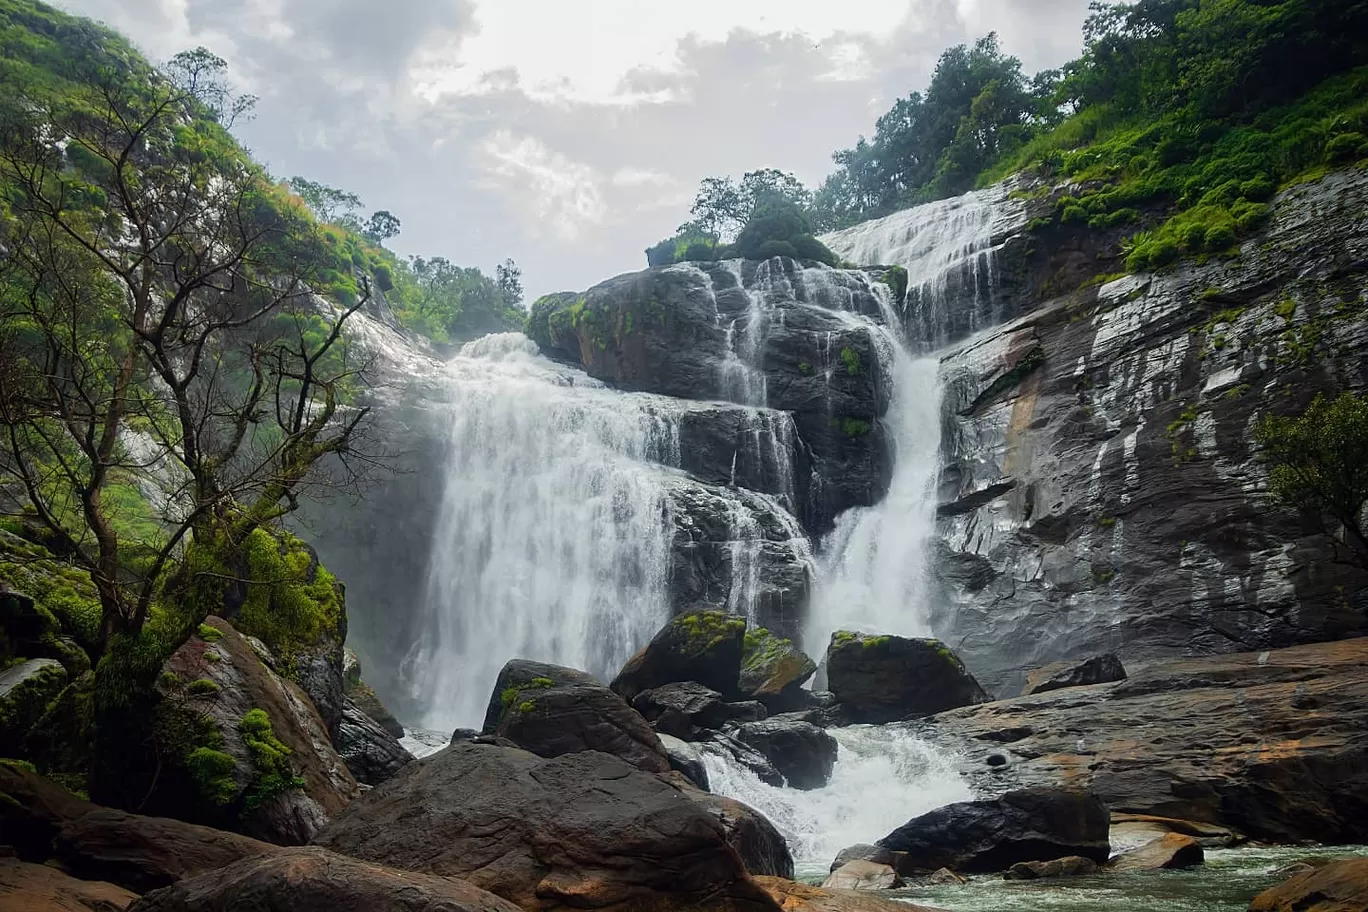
(1108,497)
(802,753)
(1102,669)
(371,753)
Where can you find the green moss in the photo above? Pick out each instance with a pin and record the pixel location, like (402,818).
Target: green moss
(212,772)
(853,427)
(209,633)
(870,642)
(511,695)
(804,368)
(897,280)
(526,706)
(843,638)
(24,765)
(61,590)
(851,360)
(292,600)
(1287,309)
(274,773)
(201,687)
(704,630)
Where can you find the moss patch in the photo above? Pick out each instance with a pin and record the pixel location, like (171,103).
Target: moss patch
(705,630)
(274,773)
(292,600)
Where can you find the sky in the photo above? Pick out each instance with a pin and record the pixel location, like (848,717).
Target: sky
(568,134)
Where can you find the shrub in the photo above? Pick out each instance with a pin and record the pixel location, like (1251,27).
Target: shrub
(809,248)
(1347,147)
(1218,237)
(775,248)
(701,251)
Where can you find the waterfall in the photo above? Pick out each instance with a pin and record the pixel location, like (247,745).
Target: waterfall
(554,534)
(884,776)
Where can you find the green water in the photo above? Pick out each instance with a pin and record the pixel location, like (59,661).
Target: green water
(1226,883)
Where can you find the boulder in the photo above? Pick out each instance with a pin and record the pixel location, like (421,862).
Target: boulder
(868,876)
(28,630)
(863,852)
(1135,830)
(369,703)
(1216,740)
(26,689)
(687,709)
(800,897)
(1171,851)
(762,848)
(32,810)
(250,753)
(28,887)
(745,755)
(371,753)
(773,670)
(992,835)
(879,679)
(1102,669)
(1069,866)
(564,711)
(686,760)
(702,646)
(586,829)
(802,753)
(313,880)
(945,877)
(1340,886)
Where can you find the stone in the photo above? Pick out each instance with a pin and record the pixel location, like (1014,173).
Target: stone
(32,810)
(703,647)
(29,631)
(686,759)
(313,880)
(687,710)
(992,835)
(800,897)
(747,756)
(948,878)
(1340,886)
(774,670)
(879,679)
(213,697)
(1103,669)
(863,875)
(562,711)
(761,847)
(802,753)
(39,888)
(876,854)
(371,753)
(1168,852)
(1069,866)
(1135,830)
(464,734)
(26,689)
(366,700)
(1213,740)
(585,829)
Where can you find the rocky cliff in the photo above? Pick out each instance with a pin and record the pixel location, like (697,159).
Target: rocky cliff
(1100,489)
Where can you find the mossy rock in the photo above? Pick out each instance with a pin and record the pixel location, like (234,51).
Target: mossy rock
(48,608)
(879,679)
(702,646)
(518,682)
(60,742)
(773,670)
(26,691)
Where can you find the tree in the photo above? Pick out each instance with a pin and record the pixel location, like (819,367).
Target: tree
(381,227)
(154,284)
(718,210)
(328,204)
(1317,464)
(509,279)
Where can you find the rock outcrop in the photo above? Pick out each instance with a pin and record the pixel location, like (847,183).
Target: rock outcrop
(26,689)
(774,670)
(704,647)
(39,888)
(1069,866)
(1102,669)
(552,711)
(255,755)
(1168,852)
(887,678)
(687,710)
(867,876)
(1340,886)
(802,753)
(1266,743)
(800,897)
(993,835)
(583,830)
(371,752)
(312,880)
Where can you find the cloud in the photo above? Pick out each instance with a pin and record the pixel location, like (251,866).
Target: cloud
(569,136)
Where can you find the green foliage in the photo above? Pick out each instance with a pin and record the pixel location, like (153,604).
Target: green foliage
(451,303)
(1316,464)
(59,590)
(704,630)
(201,688)
(854,427)
(212,772)
(851,361)
(209,633)
(292,600)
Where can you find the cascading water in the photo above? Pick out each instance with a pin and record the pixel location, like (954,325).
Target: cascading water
(883,777)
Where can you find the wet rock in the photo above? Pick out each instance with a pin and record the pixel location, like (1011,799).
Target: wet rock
(39,888)
(802,753)
(586,830)
(1340,886)
(464,734)
(1102,669)
(704,647)
(563,711)
(1212,740)
(371,753)
(761,847)
(686,759)
(687,709)
(946,878)
(747,756)
(799,897)
(26,690)
(1139,829)
(312,880)
(1069,866)
(993,835)
(865,876)
(1171,851)
(875,854)
(774,670)
(29,631)
(886,678)
(365,698)
(260,760)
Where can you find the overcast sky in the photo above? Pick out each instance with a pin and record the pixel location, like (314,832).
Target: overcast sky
(568,134)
